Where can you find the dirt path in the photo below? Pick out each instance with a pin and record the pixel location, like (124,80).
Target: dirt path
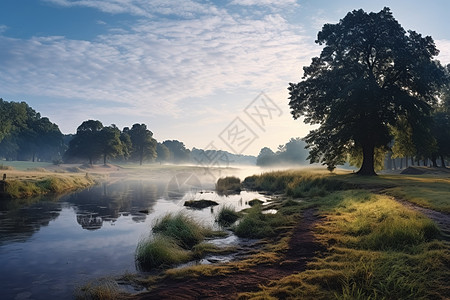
(442,219)
(302,248)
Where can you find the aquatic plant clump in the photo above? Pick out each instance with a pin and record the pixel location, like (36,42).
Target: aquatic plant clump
(160,251)
(228,185)
(183,229)
(227,216)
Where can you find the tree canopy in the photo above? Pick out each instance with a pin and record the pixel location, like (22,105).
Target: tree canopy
(370,75)
(142,141)
(25,135)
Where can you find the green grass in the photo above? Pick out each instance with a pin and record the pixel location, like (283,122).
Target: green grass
(227,216)
(228,185)
(429,191)
(256,224)
(178,239)
(376,249)
(37,185)
(296,183)
(183,229)
(161,251)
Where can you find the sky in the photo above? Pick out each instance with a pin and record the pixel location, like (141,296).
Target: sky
(212,74)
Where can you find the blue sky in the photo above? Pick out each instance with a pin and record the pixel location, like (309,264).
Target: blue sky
(188,69)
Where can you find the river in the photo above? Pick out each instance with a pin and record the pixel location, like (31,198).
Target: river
(51,246)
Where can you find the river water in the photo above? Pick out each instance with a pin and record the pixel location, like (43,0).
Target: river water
(51,246)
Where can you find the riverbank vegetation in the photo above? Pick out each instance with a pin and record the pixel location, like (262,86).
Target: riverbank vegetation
(31,183)
(373,246)
(176,239)
(375,249)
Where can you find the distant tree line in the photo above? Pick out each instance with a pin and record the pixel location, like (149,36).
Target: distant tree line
(26,136)
(291,153)
(220,158)
(94,142)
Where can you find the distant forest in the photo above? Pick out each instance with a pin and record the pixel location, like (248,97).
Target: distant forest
(26,136)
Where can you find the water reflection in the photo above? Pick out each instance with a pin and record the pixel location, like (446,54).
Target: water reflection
(20,223)
(50,246)
(109,201)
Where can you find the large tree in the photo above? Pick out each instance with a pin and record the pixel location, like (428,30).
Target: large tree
(143,143)
(370,73)
(178,151)
(87,142)
(110,143)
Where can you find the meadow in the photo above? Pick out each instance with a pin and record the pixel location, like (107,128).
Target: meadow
(371,245)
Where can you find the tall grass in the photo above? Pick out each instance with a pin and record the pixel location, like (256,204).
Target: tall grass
(296,183)
(227,216)
(182,228)
(377,249)
(160,251)
(177,239)
(22,188)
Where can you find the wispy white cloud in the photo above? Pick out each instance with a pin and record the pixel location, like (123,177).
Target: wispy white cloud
(143,8)
(264,2)
(153,66)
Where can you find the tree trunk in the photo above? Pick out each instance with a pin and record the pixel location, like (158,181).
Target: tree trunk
(401,163)
(393,162)
(442,161)
(367,167)
(104,159)
(434,161)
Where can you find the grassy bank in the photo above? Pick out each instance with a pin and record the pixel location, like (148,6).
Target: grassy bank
(36,180)
(429,191)
(376,249)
